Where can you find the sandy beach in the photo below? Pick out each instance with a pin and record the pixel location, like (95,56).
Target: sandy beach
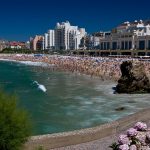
(105,68)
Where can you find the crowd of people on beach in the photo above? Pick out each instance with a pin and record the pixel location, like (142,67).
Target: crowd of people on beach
(102,67)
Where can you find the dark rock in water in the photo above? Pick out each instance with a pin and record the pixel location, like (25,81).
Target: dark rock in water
(133,79)
(114,88)
(120,109)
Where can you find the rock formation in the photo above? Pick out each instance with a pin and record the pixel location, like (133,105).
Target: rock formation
(133,79)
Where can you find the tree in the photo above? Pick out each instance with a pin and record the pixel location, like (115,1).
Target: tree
(15,127)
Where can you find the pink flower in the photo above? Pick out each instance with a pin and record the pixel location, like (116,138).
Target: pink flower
(133,147)
(132,132)
(140,126)
(124,147)
(123,139)
(141,137)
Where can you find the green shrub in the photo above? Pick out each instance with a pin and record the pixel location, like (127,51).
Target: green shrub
(14,124)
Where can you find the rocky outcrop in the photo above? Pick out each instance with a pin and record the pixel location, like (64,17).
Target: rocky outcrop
(133,79)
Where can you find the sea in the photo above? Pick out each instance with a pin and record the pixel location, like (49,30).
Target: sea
(61,101)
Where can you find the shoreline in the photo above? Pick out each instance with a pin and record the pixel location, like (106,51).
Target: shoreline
(76,65)
(43,64)
(103,68)
(97,138)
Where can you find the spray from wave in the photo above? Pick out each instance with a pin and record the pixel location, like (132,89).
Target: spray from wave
(40,86)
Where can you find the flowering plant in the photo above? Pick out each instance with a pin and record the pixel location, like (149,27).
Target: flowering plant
(123,139)
(136,138)
(132,132)
(140,126)
(124,147)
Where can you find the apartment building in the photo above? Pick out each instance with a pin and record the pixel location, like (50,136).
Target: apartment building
(49,40)
(36,43)
(68,37)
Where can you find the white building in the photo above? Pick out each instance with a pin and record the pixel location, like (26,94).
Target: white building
(3,44)
(27,44)
(68,37)
(49,40)
(127,38)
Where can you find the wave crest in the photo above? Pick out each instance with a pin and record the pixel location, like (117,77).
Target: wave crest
(40,86)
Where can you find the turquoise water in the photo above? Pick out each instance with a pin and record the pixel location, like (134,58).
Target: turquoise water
(70,101)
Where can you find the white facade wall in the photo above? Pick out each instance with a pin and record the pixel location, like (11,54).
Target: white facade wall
(128,36)
(45,41)
(95,41)
(49,40)
(3,44)
(68,37)
(15,47)
(148,29)
(27,44)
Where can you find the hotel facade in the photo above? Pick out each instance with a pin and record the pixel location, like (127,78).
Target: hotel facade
(129,38)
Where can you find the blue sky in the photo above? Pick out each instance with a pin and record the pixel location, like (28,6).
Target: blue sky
(21,19)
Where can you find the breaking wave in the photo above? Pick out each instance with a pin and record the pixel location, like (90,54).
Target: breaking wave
(40,86)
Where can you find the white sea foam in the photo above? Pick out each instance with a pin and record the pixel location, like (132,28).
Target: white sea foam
(40,86)
(29,63)
(1,59)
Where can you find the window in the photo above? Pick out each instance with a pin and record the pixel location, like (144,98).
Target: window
(108,45)
(126,45)
(130,44)
(141,45)
(102,46)
(122,45)
(149,44)
(114,45)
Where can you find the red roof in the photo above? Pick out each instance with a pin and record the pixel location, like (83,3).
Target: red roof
(16,43)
